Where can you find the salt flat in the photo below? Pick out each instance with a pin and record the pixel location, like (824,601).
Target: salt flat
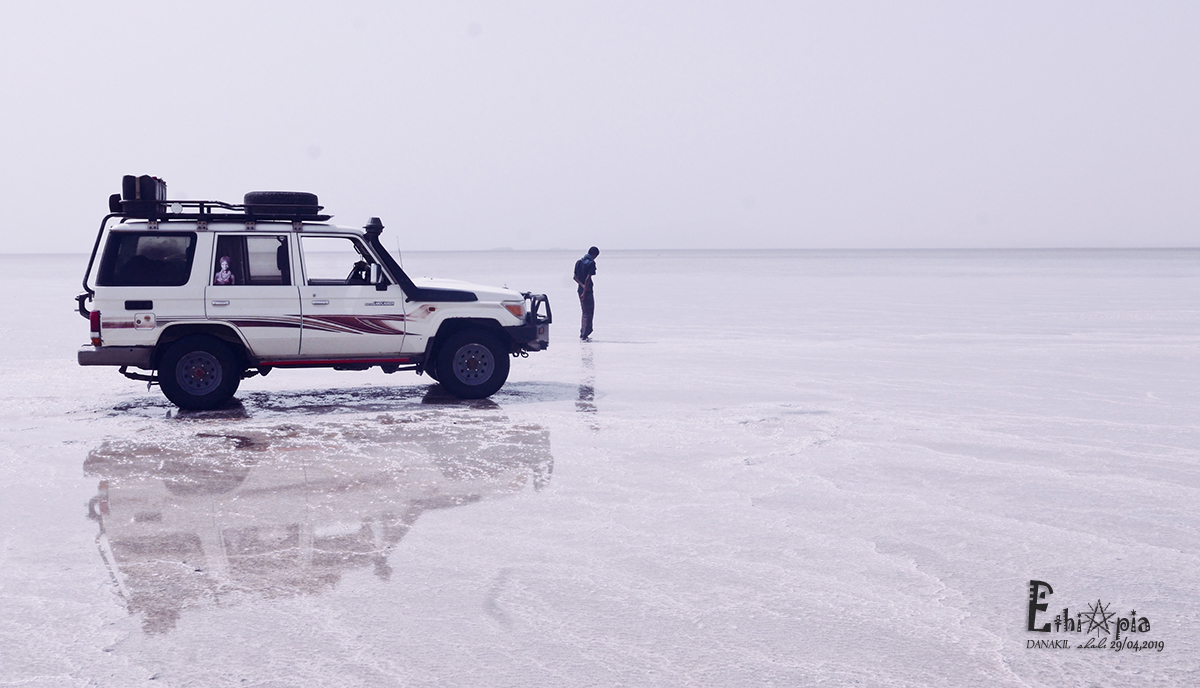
(769,468)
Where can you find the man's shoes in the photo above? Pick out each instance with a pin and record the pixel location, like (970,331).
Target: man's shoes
(585,339)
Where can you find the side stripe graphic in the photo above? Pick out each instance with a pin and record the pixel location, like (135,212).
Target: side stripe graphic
(355,324)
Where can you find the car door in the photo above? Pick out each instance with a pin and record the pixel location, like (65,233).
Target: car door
(251,287)
(344,314)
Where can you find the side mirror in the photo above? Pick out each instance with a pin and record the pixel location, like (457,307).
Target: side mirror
(377,277)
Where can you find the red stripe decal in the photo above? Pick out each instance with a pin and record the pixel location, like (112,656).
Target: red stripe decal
(259,322)
(335,361)
(354,323)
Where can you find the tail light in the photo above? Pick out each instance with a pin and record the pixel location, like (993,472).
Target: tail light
(94,320)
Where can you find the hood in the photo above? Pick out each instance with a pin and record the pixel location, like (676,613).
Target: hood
(482,291)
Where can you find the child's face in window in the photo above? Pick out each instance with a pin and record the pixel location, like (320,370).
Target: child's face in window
(224,263)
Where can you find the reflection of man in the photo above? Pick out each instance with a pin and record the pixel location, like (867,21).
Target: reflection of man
(587,386)
(585,270)
(224,276)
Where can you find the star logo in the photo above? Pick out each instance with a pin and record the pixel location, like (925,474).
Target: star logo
(1097,617)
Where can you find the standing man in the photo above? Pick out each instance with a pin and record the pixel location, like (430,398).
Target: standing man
(585,270)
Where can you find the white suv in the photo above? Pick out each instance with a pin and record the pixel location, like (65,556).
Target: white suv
(205,293)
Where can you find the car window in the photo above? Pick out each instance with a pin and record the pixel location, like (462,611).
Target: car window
(333,260)
(147,259)
(251,260)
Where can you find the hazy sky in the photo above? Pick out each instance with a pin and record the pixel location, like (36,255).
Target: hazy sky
(472,125)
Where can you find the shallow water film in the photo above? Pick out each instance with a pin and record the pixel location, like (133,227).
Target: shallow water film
(877,468)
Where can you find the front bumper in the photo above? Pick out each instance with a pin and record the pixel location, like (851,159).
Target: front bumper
(534,335)
(136,356)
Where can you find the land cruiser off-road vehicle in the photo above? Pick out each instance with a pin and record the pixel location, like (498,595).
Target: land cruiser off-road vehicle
(202,294)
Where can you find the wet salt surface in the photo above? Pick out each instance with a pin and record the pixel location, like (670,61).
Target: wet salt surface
(810,468)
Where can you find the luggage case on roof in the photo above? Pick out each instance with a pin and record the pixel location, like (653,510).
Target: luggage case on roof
(140,195)
(143,188)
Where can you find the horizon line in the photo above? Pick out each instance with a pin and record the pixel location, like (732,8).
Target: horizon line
(505,249)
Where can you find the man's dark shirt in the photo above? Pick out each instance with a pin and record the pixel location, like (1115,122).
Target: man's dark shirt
(585,267)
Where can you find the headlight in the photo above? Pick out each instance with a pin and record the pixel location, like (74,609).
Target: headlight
(517,308)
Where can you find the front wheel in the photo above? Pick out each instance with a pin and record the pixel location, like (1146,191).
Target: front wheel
(431,369)
(199,372)
(472,364)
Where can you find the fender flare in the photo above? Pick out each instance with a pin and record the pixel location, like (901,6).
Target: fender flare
(221,330)
(451,325)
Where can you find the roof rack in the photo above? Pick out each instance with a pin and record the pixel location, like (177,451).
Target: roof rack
(145,198)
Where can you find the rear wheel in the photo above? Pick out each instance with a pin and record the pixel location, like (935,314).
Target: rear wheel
(472,364)
(199,372)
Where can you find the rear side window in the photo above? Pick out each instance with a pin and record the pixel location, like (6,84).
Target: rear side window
(147,259)
(251,260)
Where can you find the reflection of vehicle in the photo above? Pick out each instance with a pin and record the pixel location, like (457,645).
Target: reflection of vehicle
(207,293)
(204,519)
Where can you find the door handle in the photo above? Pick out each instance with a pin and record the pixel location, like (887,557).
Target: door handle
(220,303)
(320,302)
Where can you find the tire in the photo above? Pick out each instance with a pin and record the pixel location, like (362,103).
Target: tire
(199,372)
(280,203)
(301,198)
(472,364)
(431,369)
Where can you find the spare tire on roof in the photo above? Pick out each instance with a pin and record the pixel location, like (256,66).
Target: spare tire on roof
(281,203)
